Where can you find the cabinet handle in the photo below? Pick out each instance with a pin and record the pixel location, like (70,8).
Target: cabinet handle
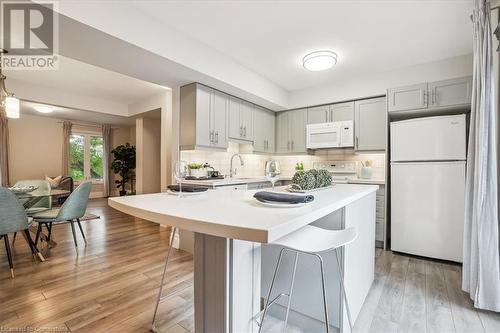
(265,145)
(245,131)
(434,97)
(216,137)
(288,146)
(425,98)
(241,131)
(357,143)
(292,145)
(211,136)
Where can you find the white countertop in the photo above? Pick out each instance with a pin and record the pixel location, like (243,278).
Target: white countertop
(236,214)
(249,180)
(374,181)
(228,181)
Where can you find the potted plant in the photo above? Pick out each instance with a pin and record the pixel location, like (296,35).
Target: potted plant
(123,164)
(197,170)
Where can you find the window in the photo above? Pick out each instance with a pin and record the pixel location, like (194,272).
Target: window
(85,157)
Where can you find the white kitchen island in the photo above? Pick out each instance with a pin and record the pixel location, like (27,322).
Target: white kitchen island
(231,232)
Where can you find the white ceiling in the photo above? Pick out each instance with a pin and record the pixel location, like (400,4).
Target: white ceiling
(83,79)
(271,37)
(83,116)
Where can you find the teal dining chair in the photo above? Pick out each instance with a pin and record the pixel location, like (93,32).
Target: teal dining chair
(72,211)
(13,218)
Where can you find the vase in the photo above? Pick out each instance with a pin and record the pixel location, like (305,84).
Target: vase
(366,172)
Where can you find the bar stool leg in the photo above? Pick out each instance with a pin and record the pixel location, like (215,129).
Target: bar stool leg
(341,271)
(323,286)
(291,291)
(271,289)
(153,327)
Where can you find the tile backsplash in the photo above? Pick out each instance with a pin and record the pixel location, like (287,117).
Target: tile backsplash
(254,163)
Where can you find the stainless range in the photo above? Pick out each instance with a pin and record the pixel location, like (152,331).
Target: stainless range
(341,171)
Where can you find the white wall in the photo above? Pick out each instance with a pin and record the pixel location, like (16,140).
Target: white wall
(361,87)
(35,147)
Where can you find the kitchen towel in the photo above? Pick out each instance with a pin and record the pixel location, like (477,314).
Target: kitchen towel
(265,196)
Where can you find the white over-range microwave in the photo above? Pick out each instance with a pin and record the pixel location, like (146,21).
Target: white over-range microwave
(330,135)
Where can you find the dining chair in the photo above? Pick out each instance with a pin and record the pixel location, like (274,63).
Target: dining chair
(13,218)
(72,211)
(41,196)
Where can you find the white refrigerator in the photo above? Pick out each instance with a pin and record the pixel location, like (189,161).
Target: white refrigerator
(428,157)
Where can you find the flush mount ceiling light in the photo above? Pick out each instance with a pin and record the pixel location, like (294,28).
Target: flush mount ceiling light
(8,102)
(43,108)
(319,60)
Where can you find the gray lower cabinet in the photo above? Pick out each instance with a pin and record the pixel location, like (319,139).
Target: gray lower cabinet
(264,130)
(203,117)
(240,119)
(370,124)
(431,95)
(291,131)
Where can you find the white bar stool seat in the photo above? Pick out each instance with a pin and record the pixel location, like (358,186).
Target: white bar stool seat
(299,242)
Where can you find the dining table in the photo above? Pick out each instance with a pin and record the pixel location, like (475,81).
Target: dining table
(29,199)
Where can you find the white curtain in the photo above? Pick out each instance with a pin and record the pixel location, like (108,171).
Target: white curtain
(106,136)
(481,266)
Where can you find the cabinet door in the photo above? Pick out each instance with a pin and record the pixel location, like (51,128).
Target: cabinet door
(342,111)
(282,130)
(203,110)
(259,120)
(235,129)
(370,124)
(297,124)
(318,114)
(450,92)
(408,98)
(246,119)
(270,132)
(219,119)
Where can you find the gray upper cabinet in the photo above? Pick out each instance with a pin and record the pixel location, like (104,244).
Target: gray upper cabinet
(264,130)
(291,131)
(342,111)
(407,98)
(434,95)
(370,124)
(240,119)
(318,114)
(450,92)
(282,141)
(203,117)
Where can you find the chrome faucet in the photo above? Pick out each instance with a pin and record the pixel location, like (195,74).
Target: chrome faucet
(232,172)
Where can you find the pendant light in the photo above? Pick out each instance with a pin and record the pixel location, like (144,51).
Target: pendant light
(8,102)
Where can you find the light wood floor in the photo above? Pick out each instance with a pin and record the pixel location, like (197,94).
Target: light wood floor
(111,286)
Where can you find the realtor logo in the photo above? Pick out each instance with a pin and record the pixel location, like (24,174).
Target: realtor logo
(29,34)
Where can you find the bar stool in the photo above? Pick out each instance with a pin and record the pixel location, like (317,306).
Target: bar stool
(299,242)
